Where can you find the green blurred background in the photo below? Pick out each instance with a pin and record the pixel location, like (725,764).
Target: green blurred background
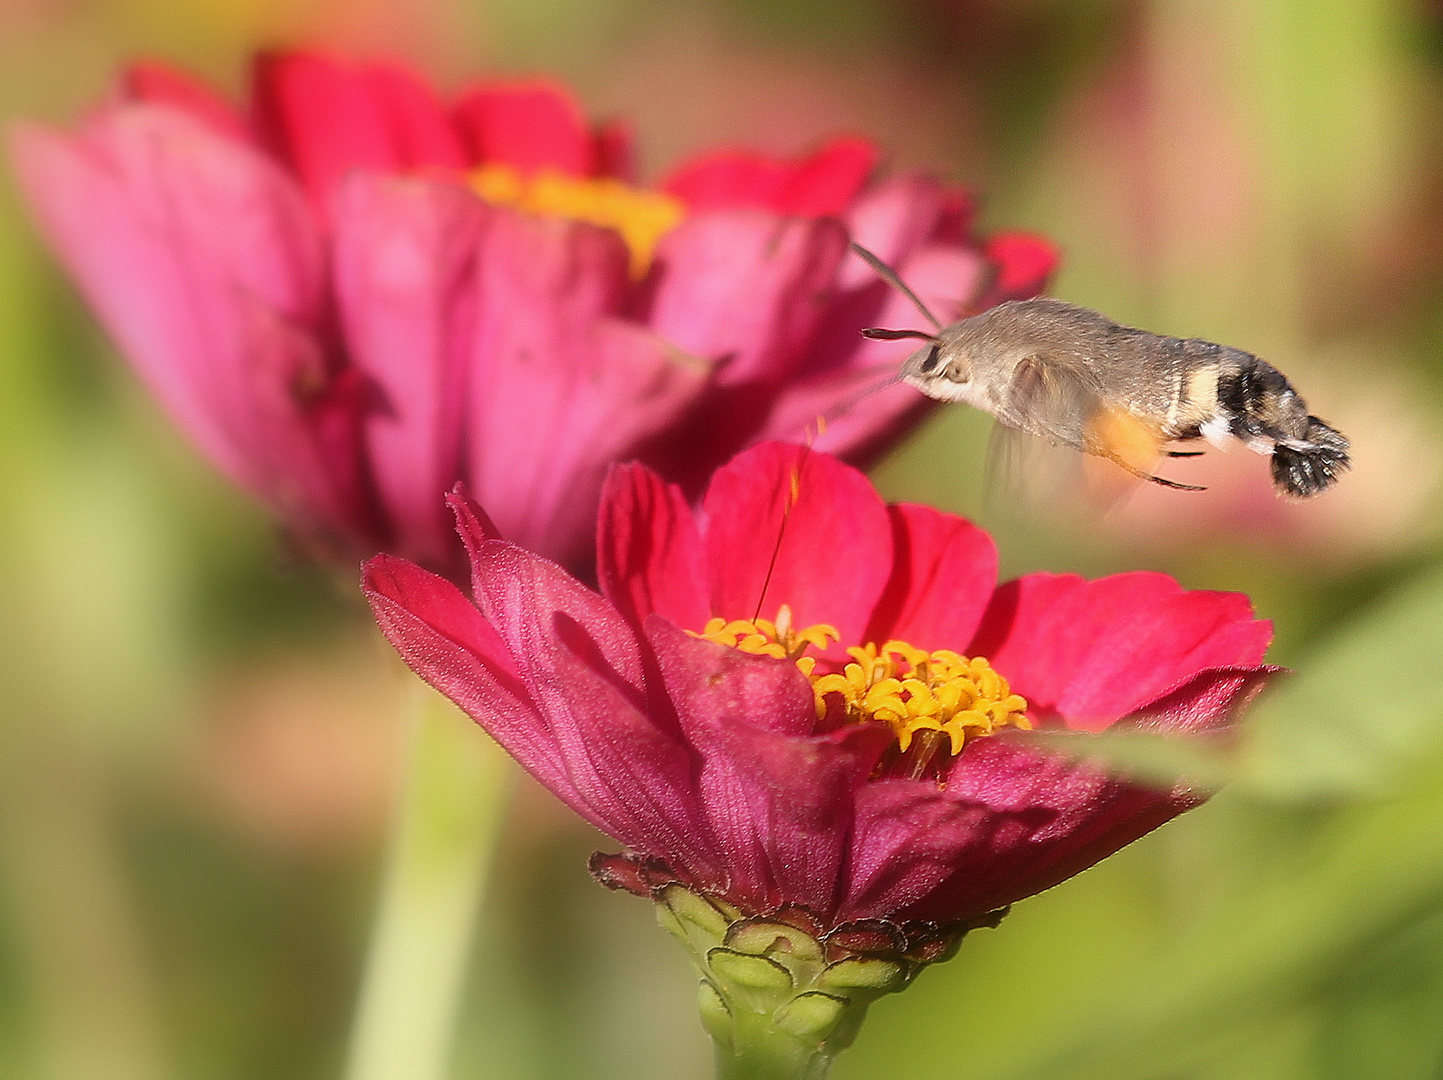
(197,733)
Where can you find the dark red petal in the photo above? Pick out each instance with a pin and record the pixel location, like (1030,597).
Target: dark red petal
(616,151)
(157,83)
(785,525)
(778,800)
(423,136)
(1209,701)
(1024,261)
(531,126)
(1013,820)
(943,575)
(649,555)
(582,667)
(321,116)
(403,268)
(445,640)
(822,184)
(1010,822)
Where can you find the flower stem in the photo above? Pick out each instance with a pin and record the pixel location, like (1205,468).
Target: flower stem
(456,784)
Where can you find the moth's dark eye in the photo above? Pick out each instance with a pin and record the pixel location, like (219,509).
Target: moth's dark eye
(933,355)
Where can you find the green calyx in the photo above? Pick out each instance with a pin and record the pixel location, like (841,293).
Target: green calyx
(779,997)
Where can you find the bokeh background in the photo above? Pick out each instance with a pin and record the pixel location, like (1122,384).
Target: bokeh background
(197,732)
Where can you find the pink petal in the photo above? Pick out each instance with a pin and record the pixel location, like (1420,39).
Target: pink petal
(560,388)
(582,667)
(1013,629)
(649,555)
(1095,651)
(204,262)
(788,526)
(891,219)
(943,576)
(777,800)
(531,126)
(854,414)
(160,84)
(747,287)
(848,388)
(404,254)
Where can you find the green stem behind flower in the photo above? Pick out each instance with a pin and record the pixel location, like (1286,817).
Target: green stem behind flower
(456,787)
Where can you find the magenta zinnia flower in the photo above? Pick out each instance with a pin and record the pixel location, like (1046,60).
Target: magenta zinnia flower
(354,294)
(854,768)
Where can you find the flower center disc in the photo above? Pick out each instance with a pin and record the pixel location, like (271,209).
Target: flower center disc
(939,697)
(641,217)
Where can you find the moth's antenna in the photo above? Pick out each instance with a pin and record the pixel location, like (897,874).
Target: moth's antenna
(887,274)
(881,333)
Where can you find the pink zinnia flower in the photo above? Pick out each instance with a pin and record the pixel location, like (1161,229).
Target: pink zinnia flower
(861,755)
(353,294)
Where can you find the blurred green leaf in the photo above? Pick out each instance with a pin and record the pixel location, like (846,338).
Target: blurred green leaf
(1362,705)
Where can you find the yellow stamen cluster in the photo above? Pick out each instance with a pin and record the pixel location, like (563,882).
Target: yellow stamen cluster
(908,689)
(912,690)
(641,217)
(780,639)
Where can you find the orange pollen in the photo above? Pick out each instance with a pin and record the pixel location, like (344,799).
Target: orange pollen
(908,689)
(641,217)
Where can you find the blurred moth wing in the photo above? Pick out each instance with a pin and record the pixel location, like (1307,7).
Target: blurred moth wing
(1049,420)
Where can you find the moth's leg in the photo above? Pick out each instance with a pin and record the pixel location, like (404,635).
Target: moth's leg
(1150,478)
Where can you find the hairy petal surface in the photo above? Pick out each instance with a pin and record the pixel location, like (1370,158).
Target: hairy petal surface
(583,668)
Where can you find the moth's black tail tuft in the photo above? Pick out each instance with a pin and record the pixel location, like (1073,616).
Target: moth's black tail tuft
(1312,463)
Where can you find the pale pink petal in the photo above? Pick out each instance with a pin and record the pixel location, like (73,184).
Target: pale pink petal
(404,267)
(747,287)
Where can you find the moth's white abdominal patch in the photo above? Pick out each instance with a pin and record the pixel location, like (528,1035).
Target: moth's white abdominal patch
(1217,429)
